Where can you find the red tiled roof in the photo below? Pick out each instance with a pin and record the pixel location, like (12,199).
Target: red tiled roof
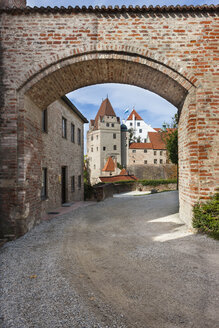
(109,166)
(156,140)
(141,145)
(137,116)
(117,178)
(123,172)
(105,109)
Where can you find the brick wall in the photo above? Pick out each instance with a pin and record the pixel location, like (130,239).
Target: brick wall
(47,53)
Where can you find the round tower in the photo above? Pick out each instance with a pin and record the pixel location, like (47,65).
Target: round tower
(124,145)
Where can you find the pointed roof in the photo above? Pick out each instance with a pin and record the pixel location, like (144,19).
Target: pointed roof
(137,116)
(123,172)
(109,166)
(105,109)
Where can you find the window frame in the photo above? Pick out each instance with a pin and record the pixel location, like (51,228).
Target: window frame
(72,132)
(79,182)
(79,137)
(45,120)
(44,185)
(73,183)
(64,127)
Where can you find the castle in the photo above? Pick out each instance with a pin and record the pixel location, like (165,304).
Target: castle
(111,145)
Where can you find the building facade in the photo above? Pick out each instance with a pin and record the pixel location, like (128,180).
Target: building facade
(103,140)
(138,127)
(63,155)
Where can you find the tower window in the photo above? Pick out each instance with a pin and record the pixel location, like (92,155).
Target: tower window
(112,125)
(114,147)
(145,162)
(45,120)
(104,148)
(114,135)
(140,130)
(107,124)
(138,124)
(145,150)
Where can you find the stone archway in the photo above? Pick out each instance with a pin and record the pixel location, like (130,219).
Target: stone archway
(94,48)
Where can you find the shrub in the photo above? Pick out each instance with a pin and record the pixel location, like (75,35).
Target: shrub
(206,217)
(156,182)
(88,191)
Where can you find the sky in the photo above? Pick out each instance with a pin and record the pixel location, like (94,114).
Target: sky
(153,109)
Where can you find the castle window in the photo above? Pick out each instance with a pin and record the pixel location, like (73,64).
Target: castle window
(134,150)
(79,136)
(138,124)
(161,153)
(64,128)
(72,133)
(112,125)
(104,148)
(145,150)
(114,135)
(161,161)
(155,152)
(92,149)
(145,162)
(97,148)
(140,130)
(107,124)
(130,123)
(114,147)
(72,183)
(45,120)
(96,136)
(155,161)
(92,138)
(44,183)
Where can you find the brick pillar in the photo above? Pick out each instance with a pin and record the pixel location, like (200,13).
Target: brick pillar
(12,3)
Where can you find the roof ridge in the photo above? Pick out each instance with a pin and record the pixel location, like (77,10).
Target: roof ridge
(116,8)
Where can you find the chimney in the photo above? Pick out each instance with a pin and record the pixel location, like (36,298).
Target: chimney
(12,3)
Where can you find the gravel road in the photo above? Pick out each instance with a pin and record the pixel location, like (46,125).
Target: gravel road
(125,262)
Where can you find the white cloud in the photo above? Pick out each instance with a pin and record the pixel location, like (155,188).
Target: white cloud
(122,96)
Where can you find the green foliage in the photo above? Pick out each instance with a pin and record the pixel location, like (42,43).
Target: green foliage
(171,138)
(206,217)
(88,191)
(119,166)
(157,182)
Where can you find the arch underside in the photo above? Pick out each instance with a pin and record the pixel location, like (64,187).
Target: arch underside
(61,79)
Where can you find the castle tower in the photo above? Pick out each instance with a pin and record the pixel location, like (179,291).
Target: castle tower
(124,145)
(103,140)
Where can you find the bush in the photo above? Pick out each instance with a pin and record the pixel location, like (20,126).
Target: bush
(88,191)
(206,217)
(156,182)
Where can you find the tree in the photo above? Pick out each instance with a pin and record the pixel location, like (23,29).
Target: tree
(170,136)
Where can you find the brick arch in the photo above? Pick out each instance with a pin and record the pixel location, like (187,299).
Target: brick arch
(106,66)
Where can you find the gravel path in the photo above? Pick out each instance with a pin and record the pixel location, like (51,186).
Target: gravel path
(125,262)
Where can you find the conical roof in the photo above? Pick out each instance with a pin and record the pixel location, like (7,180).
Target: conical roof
(105,109)
(110,165)
(123,172)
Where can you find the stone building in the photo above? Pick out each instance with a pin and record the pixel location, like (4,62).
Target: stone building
(140,129)
(62,155)
(103,140)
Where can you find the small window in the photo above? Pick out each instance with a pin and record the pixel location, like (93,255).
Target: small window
(72,183)
(134,161)
(94,166)
(64,128)
(145,162)
(112,125)
(96,136)
(114,147)
(114,135)
(72,132)
(79,182)
(92,138)
(155,152)
(130,123)
(44,183)
(145,150)
(134,150)
(107,124)
(161,161)
(155,161)
(92,149)
(140,130)
(79,136)
(104,148)
(138,124)
(161,153)
(45,120)
(97,148)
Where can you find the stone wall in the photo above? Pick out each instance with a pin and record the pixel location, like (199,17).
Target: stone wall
(46,53)
(153,172)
